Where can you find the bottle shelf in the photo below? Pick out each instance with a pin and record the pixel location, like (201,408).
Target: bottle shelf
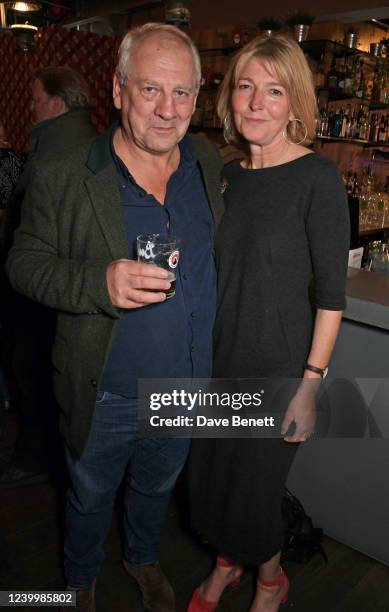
(350,99)
(355,100)
(340,139)
(377,145)
(378,106)
(315,48)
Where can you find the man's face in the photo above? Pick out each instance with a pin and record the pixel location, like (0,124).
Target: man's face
(158,97)
(42,105)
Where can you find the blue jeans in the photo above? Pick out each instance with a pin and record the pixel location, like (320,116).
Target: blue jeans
(113,450)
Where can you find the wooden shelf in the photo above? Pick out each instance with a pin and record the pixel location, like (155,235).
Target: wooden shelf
(377,146)
(317,47)
(339,139)
(378,106)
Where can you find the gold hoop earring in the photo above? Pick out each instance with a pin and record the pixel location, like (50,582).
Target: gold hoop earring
(303,138)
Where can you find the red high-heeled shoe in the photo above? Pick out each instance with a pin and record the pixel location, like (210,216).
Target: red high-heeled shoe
(281,580)
(199,604)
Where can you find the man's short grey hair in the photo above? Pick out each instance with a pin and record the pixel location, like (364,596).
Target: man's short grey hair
(66,83)
(139,33)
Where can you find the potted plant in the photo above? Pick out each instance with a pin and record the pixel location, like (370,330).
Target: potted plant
(268,25)
(351,36)
(300,22)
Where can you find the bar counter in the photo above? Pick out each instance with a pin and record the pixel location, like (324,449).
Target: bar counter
(342,480)
(367,298)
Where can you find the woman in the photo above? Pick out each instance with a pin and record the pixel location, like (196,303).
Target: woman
(286,222)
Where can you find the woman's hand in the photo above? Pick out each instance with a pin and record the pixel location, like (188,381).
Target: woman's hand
(302,412)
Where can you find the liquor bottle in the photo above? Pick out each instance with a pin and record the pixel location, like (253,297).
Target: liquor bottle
(363,127)
(375,95)
(373,127)
(358,123)
(361,85)
(368,125)
(332,79)
(237,34)
(323,123)
(387,128)
(342,71)
(349,79)
(354,126)
(385,94)
(343,127)
(337,124)
(383,86)
(350,125)
(382,130)
(355,76)
(319,75)
(377,129)
(330,122)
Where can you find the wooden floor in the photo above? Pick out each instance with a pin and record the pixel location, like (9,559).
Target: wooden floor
(31,522)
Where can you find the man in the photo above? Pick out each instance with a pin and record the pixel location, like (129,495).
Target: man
(61,120)
(75,252)
(60,111)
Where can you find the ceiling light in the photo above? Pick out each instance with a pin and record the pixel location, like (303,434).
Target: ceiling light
(23,26)
(25,7)
(25,36)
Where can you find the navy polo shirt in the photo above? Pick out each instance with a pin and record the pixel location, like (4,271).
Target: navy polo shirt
(172,339)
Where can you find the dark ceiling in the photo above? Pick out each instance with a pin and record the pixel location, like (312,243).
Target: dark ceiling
(205,13)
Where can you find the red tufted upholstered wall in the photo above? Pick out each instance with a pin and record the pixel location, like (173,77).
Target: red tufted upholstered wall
(91,54)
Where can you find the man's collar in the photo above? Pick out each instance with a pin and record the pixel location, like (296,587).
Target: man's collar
(187,151)
(102,152)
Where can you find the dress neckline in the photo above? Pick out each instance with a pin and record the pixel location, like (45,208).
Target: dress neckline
(283,165)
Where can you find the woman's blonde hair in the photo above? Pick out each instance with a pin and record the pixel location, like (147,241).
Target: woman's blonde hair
(283,56)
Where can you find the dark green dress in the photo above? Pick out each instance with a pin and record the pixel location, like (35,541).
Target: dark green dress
(282,227)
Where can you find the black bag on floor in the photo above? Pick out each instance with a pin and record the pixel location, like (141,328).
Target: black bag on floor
(302,540)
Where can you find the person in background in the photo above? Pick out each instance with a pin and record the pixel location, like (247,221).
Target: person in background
(286,225)
(74,251)
(61,116)
(11,166)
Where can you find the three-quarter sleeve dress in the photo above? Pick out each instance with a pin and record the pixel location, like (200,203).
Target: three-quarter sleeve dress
(281,252)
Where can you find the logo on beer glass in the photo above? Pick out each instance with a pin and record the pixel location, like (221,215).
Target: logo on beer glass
(147,252)
(173,259)
(162,251)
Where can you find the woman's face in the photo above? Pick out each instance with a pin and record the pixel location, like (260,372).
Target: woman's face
(260,104)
